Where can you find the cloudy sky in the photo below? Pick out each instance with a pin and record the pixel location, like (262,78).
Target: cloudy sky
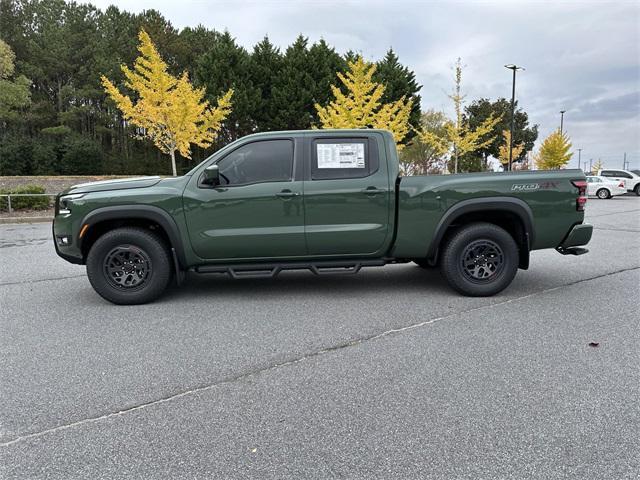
(580,56)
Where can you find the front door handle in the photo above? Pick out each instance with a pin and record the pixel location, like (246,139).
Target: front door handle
(287,194)
(373,191)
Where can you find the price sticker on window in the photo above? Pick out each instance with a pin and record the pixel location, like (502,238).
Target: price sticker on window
(340,155)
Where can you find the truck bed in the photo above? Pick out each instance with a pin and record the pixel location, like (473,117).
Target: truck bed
(425,202)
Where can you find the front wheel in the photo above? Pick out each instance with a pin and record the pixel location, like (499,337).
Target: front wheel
(129,266)
(480,259)
(637,190)
(603,194)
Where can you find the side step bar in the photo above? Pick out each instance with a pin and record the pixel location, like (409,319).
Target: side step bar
(270,270)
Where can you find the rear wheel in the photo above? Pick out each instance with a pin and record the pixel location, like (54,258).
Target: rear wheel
(129,266)
(480,259)
(603,193)
(637,190)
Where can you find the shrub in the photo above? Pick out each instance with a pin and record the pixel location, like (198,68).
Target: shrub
(50,155)
(82,156)
(16,156)
(26,156)
(17,203)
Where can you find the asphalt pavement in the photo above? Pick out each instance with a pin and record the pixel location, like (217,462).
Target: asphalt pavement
(385,374)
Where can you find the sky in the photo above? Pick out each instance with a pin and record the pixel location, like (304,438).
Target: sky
(579,56)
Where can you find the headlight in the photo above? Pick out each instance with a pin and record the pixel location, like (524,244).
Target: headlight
(66,201)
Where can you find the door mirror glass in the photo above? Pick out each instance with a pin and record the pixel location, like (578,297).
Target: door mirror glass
(211,175)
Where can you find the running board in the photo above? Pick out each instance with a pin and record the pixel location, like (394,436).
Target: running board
(270,270)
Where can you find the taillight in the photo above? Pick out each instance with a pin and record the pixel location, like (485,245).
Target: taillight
(581,201)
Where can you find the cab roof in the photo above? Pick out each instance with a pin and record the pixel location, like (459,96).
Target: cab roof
(316,132)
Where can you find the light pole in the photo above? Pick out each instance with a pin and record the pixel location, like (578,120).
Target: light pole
(579,156)
(513,103)
(561,120)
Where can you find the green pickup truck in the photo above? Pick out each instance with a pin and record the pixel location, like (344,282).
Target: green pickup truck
(330,201)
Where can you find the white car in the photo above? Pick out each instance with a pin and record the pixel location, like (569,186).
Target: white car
(630,178)
(603,187)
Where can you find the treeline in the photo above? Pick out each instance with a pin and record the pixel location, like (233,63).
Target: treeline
(69,127)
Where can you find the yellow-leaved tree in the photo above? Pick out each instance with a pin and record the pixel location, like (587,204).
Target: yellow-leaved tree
(361,106)
(503,150)
(458,137)
(172,113)
(554,152)
(597,167)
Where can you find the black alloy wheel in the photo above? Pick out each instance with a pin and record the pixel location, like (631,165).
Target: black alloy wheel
(127,267)
(482,260)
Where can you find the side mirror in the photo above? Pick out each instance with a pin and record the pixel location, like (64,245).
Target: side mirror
(211,175)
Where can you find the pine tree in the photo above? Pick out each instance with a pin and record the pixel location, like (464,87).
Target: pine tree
(326,62)
(554,152)
(193,44)
(169,110)
(266,62)
(225,66)
(361,105)
(293,86)
(399,82)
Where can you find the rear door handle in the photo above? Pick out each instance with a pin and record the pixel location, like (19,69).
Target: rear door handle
(373,191)
(287,194)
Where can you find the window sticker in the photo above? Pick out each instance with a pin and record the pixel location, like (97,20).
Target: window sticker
(340,155)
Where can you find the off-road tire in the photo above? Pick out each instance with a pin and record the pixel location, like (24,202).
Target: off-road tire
(459,265)
(129,266)
(603,194)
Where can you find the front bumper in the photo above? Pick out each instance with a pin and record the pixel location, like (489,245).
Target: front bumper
(70,252)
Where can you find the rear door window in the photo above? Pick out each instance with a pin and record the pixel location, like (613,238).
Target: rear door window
(336,158)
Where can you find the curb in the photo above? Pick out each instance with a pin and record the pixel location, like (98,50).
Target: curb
(7,220)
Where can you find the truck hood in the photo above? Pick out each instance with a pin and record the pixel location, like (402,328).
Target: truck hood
(115,184)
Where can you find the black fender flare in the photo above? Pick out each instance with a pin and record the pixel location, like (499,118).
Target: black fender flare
(143,212)
(510,204)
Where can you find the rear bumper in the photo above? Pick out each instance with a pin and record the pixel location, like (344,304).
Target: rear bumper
(578,235)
